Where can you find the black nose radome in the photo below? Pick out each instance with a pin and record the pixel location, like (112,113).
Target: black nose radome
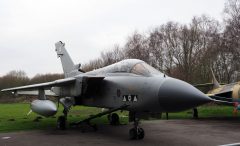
(177,95)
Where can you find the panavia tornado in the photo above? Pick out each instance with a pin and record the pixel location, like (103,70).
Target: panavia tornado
(130,85)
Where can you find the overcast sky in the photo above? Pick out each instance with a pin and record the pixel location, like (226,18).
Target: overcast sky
(29,28)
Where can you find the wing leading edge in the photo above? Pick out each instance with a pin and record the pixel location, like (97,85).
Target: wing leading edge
(71,87)
(44,86)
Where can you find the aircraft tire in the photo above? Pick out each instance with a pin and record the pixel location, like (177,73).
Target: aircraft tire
(141,133)
(136,133)
(61,123)
(114,119)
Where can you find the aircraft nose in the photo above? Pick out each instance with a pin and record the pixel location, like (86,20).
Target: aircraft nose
(177,95)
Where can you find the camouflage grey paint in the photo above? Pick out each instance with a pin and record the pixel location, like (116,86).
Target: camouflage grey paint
(154,93)
(44,107)
(129,82)
(68,66)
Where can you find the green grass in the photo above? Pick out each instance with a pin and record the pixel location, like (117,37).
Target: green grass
(206,111)
(13,117)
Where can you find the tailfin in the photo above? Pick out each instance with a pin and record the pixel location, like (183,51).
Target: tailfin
(215,82)
(68,66)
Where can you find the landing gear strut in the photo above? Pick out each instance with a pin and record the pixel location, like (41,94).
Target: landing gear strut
(62,121)
(113,116)
(67,102)
(136,132)
(195,113)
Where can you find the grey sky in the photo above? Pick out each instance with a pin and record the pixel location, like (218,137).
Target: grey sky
(29,28)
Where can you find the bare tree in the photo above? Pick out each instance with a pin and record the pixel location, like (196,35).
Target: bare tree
(137,47)
(231,39)
(156,49)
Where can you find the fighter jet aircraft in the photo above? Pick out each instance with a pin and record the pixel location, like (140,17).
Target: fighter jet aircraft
(228,93)
(130,85)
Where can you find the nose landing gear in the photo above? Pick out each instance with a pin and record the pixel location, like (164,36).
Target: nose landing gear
(136,132)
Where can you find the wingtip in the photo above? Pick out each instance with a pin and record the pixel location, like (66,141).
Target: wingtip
(7,89)
(4,90)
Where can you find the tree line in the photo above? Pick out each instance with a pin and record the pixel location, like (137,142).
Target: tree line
(184,51)
(20,78)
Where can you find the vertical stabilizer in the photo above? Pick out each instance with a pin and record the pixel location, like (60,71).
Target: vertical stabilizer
(215,82)
(68,66)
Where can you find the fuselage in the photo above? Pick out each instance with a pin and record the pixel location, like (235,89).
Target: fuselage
(132,82)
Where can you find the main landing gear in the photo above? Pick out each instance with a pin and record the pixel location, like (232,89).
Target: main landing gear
(62,121)
(135,133)
(67,103)
(113,119)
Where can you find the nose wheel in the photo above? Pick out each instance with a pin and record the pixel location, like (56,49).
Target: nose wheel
(136,133)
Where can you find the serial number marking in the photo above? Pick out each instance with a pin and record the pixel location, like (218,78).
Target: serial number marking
(130,98)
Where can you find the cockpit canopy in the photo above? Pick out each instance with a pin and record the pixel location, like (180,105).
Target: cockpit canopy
(144,69)
(134,66)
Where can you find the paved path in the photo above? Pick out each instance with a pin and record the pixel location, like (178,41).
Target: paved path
(159,132)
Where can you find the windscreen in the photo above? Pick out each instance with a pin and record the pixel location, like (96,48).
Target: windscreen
(145,70)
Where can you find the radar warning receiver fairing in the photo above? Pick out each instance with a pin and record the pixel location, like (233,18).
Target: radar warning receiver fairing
(130,85)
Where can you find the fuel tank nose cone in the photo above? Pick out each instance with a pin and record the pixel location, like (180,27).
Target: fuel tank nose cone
(44,107)
(177,95)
